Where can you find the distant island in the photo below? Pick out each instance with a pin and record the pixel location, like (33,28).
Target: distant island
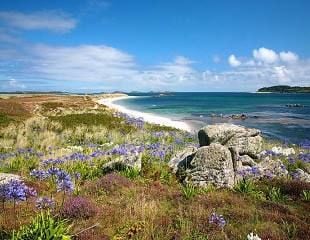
(285,89)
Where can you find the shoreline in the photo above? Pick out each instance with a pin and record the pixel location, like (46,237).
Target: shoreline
(147,117)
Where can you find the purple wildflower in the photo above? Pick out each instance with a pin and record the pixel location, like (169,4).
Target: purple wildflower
(305,144)
(64,182)
(39,174)
(45,203)
(217,220)
(16,190)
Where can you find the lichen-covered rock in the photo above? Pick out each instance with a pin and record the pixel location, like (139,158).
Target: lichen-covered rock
(211,165)
(125,161)
(283,151)
(272,168)
(181,158)
(245,141)
(6,177)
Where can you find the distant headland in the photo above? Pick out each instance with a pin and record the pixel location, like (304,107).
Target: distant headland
(284,89)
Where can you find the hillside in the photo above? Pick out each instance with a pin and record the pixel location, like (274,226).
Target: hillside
(285,89)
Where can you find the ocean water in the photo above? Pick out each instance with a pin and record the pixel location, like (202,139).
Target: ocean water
(266,111)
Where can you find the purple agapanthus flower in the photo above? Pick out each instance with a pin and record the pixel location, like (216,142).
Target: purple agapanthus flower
(217,220)
(64,182)
(45,203)
(16,190)
(305,144)
(39,174)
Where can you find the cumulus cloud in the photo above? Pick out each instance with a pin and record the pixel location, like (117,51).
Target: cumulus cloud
(288,57)
(265,55)
(46,20)
(233,61)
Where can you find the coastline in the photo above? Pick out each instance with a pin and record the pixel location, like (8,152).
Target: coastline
(147,117)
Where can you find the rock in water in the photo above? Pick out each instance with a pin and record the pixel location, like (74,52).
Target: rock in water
(211,165)
(244,141)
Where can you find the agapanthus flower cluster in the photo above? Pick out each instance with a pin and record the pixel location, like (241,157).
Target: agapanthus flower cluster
(158,150)
(137,122)
(305,157)
(39,174)
(250,172)
(305,144)
(126,149)
(62,178)
(44,203)
(217,220)
(16,190)
(25,152)
(64,182)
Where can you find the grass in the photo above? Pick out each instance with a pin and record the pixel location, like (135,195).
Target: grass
(92,119)
(133,204)
(5,120)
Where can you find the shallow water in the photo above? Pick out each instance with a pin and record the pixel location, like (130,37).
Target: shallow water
(266,111)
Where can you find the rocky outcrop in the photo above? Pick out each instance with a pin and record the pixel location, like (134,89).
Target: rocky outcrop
(241,140)
(226,154)
(211,165)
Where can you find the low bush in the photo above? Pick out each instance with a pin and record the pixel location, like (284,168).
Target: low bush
(78,207)
(107,183)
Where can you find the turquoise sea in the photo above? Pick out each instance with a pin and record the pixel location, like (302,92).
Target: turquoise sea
(266,111)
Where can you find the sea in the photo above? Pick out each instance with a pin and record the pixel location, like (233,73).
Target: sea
(280,116)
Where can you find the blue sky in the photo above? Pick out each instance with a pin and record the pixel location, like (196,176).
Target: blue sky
(102,45)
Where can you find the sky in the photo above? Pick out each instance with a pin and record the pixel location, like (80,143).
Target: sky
(153,45)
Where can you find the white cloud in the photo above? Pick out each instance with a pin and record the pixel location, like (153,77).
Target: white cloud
(265,55)
(46,20)
(288,57)
(233,61)
(89,63)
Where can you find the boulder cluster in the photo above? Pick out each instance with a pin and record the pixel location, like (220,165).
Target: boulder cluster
(226,154)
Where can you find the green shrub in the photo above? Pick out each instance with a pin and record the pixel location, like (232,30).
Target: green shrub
(131,173)
(306,195)
(275,194)
(43,226)
(189,191)
(246,186)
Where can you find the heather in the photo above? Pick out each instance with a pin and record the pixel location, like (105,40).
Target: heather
(61,151)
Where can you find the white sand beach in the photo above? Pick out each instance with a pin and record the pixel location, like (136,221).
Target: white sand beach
(148,117)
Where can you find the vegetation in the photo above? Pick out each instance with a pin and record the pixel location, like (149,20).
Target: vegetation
(43,226)
(285,89)
(60,149)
